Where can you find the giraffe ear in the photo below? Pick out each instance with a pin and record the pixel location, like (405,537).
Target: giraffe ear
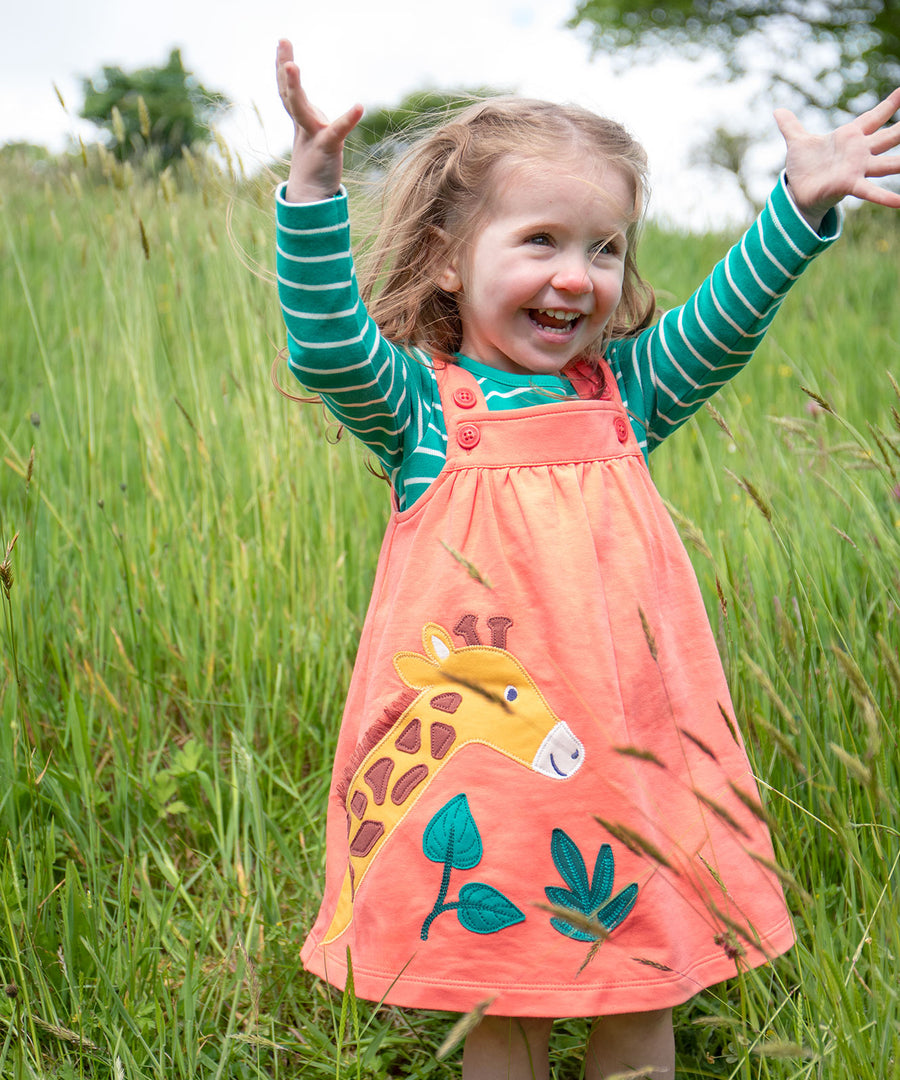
(420,671)
(438,643)
(415,670)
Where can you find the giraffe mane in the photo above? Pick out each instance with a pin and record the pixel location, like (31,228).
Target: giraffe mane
(372,738)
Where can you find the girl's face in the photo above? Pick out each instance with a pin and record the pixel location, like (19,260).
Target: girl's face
(542,276)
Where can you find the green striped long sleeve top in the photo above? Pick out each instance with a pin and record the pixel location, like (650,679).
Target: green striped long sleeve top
(388,396)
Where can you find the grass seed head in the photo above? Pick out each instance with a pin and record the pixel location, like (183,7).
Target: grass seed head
(470,568)
(167,184)
(6,574)
(577,919)
(754,494)
(782,1050)
(731,728)
(723,602)
(648,633)
(466,1023)
(890,662)
(720,420)
(818,399)
(641,755)
(143,117)
(723,813)
(651,963)
(785,746)
(635,842)
(145,243)
(751,802)
(191,163)
(742,930)
(699,743)
(118,125)
(786,879)
(853,765)
(690,532)
(638,1074)
(766,683)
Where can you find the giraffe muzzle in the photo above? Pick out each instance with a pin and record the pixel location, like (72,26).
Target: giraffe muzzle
(560,755)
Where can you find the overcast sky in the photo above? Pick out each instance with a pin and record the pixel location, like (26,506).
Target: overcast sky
(373,52)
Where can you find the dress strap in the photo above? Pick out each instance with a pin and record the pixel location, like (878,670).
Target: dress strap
(458,388)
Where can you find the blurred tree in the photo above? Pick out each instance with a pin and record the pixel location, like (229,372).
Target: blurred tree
(163,108)
(834,55)
(727,149)
(387,131)
(28,152)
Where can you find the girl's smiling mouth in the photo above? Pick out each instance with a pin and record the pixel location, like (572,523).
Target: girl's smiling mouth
(555,319)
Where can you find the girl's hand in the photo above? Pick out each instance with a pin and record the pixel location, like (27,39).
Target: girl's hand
(317,157)
(822,169)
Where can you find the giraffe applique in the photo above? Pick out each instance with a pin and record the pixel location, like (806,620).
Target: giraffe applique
(473,694)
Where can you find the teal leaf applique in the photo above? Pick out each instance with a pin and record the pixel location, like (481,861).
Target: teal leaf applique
(592,902)
(452,838)
(484,910)
(570,864)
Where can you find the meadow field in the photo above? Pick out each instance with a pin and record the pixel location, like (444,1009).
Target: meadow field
(185,560)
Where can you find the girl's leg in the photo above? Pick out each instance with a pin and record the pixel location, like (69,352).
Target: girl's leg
(508,1048)
(629,1042)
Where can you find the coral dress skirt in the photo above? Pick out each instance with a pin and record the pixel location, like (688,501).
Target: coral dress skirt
(541,803)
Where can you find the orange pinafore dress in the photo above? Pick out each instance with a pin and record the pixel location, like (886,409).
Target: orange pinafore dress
(540,798)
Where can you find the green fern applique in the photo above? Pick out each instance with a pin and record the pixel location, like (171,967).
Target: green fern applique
(590,900)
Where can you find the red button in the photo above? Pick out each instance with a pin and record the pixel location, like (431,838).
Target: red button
(468,436)
(465,398)
(621,429)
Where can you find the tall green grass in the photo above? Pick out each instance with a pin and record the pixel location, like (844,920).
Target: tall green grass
(181,604)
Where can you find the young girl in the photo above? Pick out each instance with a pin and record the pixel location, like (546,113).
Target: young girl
(541,805)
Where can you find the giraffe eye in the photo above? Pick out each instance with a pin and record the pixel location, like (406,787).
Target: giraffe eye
(510,693)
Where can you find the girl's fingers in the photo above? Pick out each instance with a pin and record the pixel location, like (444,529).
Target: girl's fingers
(295,101)
(788,124)
(284,52)
(885,166)
(886,139)
(875,194)
(872,120)
(342,127)
(284,55)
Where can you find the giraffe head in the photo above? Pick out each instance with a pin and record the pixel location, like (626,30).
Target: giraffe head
(498,702)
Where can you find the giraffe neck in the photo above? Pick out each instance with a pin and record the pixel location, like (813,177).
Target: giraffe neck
(396,773)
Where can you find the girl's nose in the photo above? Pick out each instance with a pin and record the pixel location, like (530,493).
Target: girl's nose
(572,276)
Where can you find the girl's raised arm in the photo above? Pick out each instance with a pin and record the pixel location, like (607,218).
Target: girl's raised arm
(317,156)
(822,169)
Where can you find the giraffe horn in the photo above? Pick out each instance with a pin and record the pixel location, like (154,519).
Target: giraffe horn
(466,629)
(499,625)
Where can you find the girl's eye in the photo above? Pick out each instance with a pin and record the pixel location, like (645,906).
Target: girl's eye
(541,239)
(510,693)
(607,247)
